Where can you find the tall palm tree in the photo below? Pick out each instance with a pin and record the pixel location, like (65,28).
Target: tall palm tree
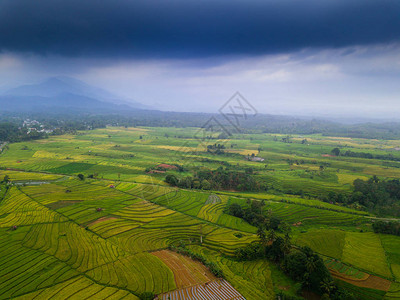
(310,264)
(286,244)
(272,236)
(328,286)
(306,280)
(261,234)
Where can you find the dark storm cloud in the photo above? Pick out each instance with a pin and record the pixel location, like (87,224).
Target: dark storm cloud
(167,29)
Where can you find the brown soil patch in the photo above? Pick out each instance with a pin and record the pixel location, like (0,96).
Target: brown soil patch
(101,220)
(187,272)
(371,282)
(155,171)
(345,276)
(165,166)
(327,155)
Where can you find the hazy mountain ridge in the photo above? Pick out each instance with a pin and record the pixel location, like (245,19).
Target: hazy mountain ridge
(63,93)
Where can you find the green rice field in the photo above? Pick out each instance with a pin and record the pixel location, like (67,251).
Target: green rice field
(66,238)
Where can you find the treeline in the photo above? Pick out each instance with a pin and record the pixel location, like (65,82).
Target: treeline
(79,120)
(386,227)
(300,263)
(348,153)
(375,195)
(216,149)
(11,132)
(221,178)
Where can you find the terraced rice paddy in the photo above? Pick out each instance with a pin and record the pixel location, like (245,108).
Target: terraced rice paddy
(106,237)
(356,277)
(311,215)
(391,245)
(343,271)
(327,242)
(56,238)
(370,282)
(20,176)
(79,288)
(366,247)
(105,248)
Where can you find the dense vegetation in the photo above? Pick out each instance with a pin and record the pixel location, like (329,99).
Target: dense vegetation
(380,196)
(349,153)
(12,133)
(386,227)
(69,121)
(221,178)
(300,263)
(253,213)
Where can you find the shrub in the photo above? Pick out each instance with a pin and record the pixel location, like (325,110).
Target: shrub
(147,296)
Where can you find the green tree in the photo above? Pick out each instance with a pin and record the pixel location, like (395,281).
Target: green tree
(235,210)
(272,236)
(171,179)
(262,235)
(310,264)
(6,179)
(335,151)
(147,296)
(205,184)
(328,286)
(287,244)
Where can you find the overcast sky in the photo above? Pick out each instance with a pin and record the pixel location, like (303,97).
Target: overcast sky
(330,57)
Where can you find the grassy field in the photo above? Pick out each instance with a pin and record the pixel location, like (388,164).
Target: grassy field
(62,237)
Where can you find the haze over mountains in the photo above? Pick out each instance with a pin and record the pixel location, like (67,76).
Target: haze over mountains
(58,94)
(62,94)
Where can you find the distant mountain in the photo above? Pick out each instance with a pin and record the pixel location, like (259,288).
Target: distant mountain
(64,93)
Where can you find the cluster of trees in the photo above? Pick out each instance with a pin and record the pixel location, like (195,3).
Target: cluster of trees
(188,182)
(147,296)
(221,178)
(348,153)
(254,215)
(12,133)
(378,196)
(216,149)
(386,227)
(299,263)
